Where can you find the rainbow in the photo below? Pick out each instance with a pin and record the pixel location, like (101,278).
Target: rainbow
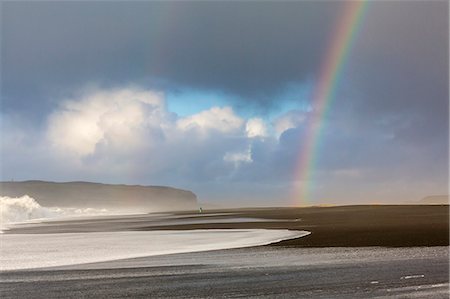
(323,95)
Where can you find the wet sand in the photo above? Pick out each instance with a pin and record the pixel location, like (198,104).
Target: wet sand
(260,272)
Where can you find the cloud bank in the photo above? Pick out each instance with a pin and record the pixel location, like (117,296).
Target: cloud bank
(128,135)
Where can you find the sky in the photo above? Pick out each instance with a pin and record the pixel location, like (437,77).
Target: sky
(218,98)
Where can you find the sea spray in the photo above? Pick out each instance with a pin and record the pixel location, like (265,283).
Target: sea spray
(26,208)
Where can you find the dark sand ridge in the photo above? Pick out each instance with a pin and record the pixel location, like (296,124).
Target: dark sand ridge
(340,226)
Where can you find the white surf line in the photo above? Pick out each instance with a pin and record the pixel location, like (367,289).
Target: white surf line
(29,251)
(413,276)
(421,288)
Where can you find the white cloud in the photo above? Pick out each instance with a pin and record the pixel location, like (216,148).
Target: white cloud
(256,127)
(130,131)
(117,119)
(128,136)
(289,120)
(219,119)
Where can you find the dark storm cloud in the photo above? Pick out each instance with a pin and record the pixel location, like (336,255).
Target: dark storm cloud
(249,49)
(391,112)
(400,68)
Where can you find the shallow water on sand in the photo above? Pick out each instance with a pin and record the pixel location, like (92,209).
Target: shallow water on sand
(25,251)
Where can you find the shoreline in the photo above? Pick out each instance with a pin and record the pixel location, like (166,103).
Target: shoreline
(339,226)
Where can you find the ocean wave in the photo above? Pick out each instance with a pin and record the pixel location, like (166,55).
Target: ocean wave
(25,208)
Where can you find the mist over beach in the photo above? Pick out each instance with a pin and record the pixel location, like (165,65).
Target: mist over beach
(193,149)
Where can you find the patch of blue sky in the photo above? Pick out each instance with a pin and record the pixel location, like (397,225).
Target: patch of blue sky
(294,96)
(187,102)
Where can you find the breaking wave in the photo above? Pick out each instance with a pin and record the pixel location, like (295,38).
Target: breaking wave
(26,208)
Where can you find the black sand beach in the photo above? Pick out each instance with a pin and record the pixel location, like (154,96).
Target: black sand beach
(352,252)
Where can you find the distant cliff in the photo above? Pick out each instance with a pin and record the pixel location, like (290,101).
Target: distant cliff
(95,195)
(435,199)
